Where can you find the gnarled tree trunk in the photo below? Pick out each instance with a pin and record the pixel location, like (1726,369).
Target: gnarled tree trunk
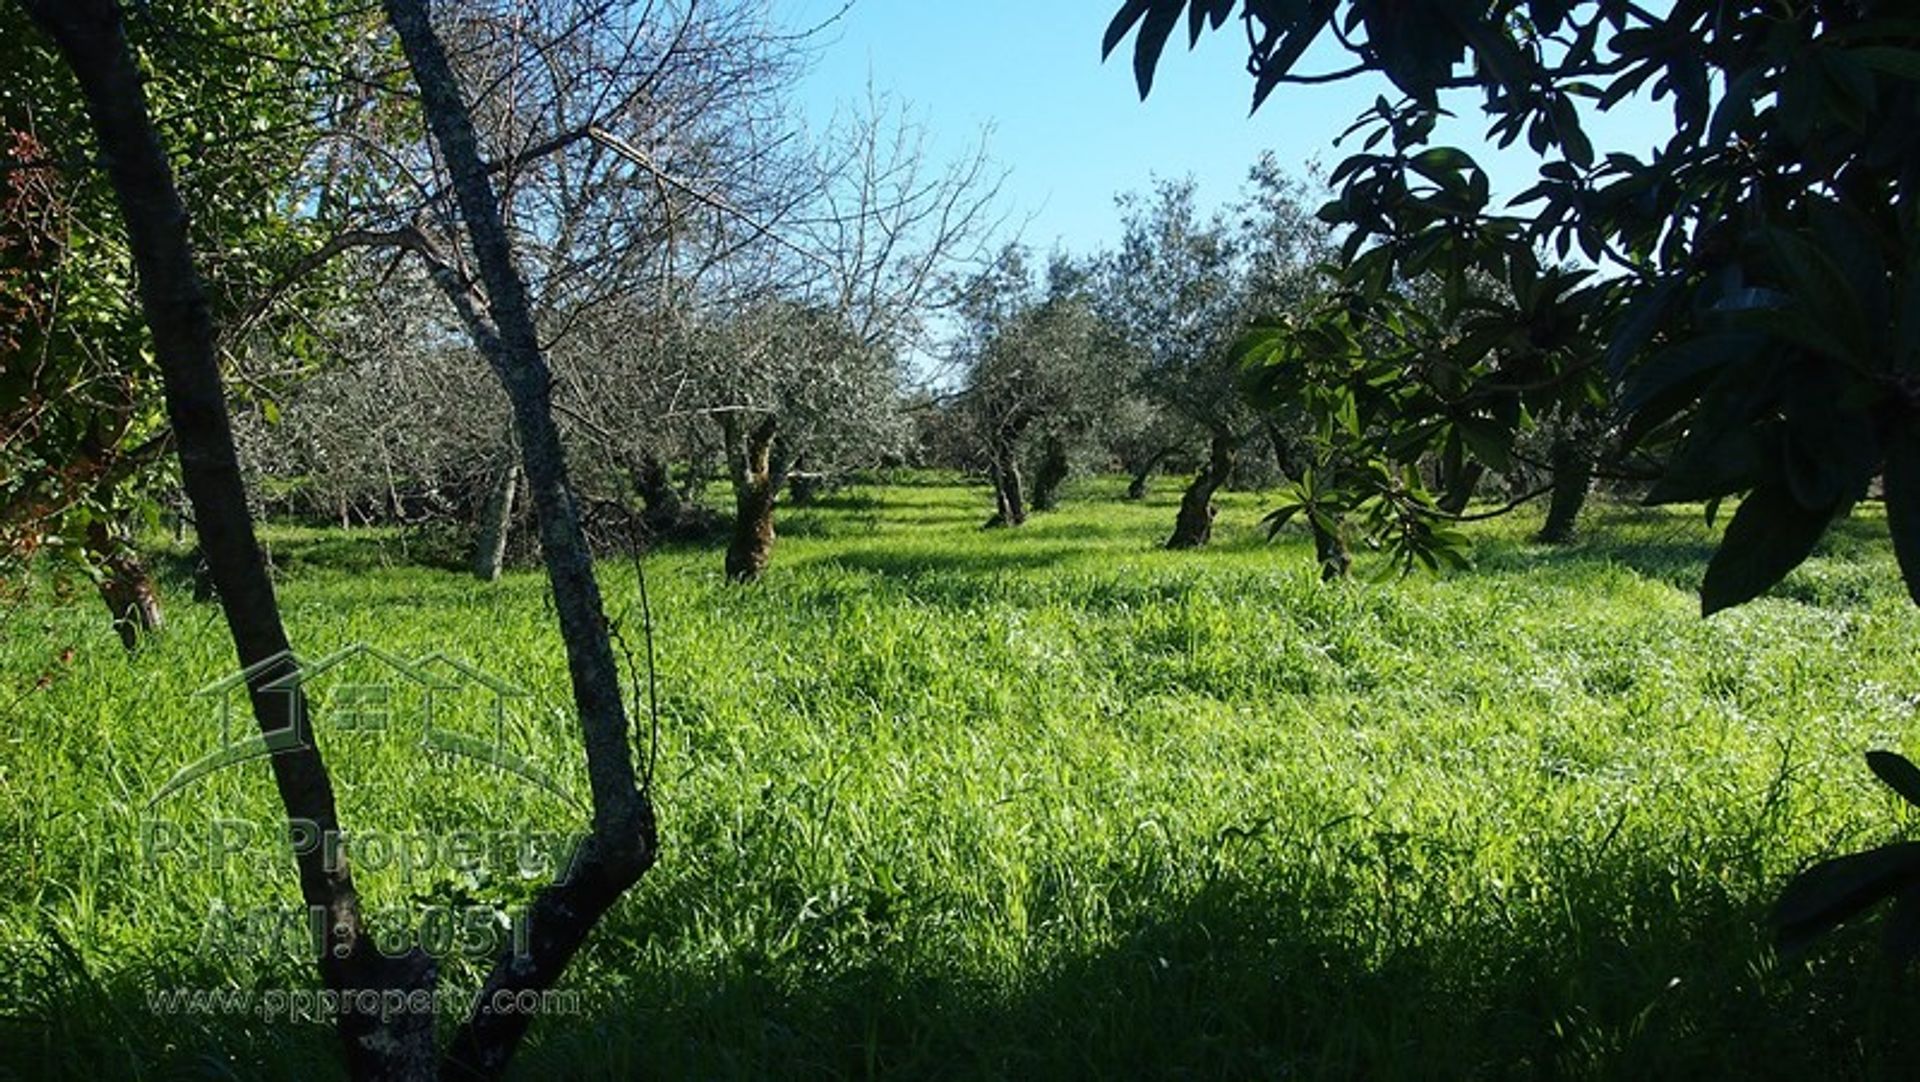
(133,603)
(755,487)
(1194,526)
(1009,498)
(1051,474)
(1572,460)
(660,503)
(1137,485)
(803,485)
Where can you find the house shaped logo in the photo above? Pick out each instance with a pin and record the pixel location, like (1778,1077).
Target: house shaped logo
(367,691)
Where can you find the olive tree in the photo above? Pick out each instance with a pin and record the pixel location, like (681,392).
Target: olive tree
(1176,291)
(1039,370)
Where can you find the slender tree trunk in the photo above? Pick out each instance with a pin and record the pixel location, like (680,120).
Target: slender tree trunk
(133,602)
(496,521)
(1009,490)
(754,490)
(624,841)
(1572,461)
(1194,526)
(1052,473)
(92,40)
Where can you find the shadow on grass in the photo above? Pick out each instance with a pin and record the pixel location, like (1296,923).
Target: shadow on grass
(1241,980)
(1666,546)
(1624,978)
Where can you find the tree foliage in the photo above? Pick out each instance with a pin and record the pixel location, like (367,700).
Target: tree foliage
(1755,282)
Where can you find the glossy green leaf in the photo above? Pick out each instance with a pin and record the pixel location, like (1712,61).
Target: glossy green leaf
(1770,535)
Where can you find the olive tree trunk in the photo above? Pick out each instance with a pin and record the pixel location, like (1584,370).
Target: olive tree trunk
(1142,473)
(1193,528)
(803,484)
(1572,461)
(756,484)
(1051,474)
(133,602)
(1009,496)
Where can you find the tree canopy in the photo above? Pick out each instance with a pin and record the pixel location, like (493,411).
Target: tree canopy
(1752,288)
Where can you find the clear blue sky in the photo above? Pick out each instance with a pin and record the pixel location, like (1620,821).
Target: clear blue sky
(1073,130)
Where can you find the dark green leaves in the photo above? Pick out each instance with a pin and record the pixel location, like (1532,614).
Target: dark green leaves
(1828,894)
(1769,536)
(1156,19)
(1898,773)
(1759,316)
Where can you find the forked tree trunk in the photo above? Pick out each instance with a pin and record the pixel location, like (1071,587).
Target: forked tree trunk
(133,603)
(93,43)
(496,521)
(1009,496)
(1572,462)
(1194,526)
(755,487)
(624,841)
(1051,474)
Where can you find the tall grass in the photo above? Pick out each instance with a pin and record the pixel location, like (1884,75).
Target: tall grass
(1053,802)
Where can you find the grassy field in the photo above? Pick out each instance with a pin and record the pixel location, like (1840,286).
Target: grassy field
(1050,802)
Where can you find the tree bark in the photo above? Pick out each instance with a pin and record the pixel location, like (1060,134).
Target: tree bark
(1572,462)
(1052,473)
(750,458)
(1194,526)
(1009,495)
(624,842)
(1137,485)
(91,38)
(496,521)
(133,603)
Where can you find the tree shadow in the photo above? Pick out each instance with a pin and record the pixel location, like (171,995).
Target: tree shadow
(1658,544)
(1624,977)
(1603,964)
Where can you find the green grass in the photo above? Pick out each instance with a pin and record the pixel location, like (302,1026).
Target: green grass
(1053,802)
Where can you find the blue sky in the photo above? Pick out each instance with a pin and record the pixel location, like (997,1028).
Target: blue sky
(1073,130)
